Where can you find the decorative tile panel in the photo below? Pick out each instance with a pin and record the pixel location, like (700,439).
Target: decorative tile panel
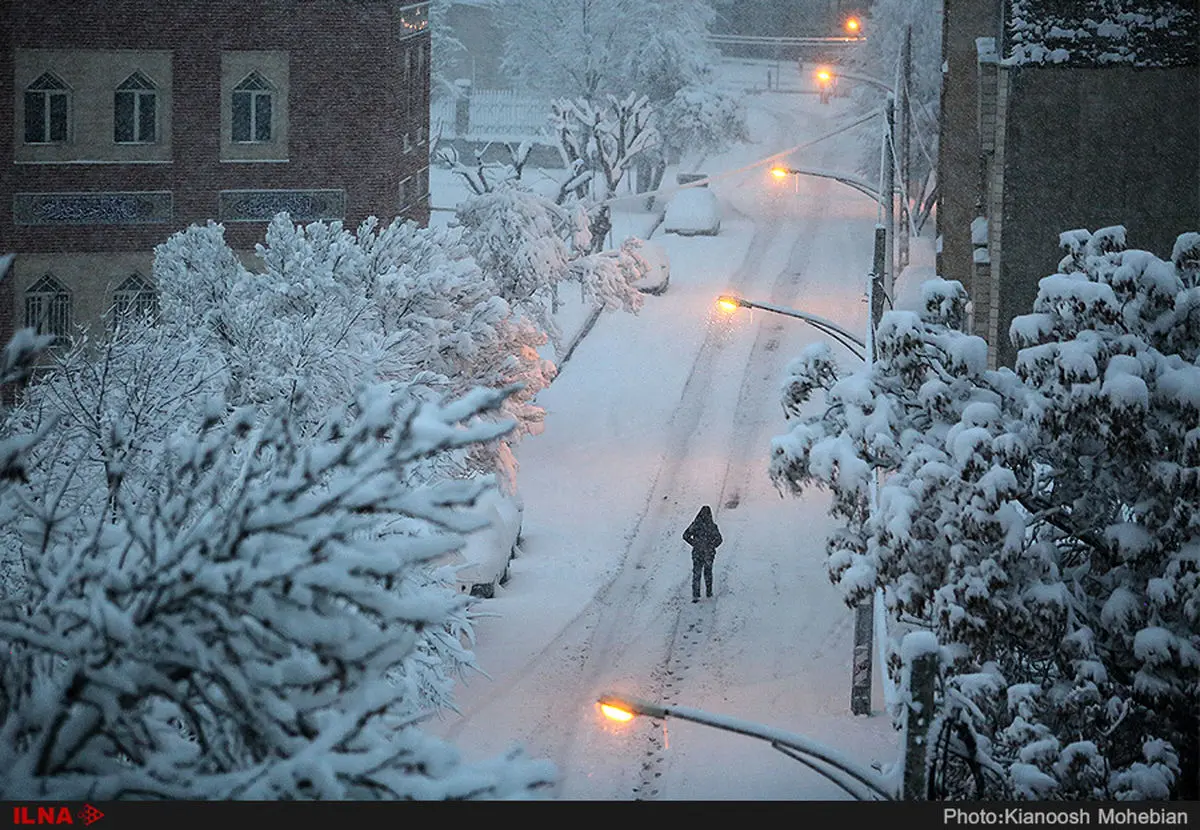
(92,208)
(262,205)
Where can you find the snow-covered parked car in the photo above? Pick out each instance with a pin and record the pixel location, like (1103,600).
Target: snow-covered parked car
(693,212)
(482,563)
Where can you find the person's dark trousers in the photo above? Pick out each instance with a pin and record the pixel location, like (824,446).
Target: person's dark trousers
(701,566)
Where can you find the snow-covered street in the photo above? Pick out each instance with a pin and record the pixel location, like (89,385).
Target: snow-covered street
(655,415)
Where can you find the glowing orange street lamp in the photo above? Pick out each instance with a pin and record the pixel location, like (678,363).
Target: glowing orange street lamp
(853,26)
(859,782)
(616,713)
(824,76)
(729,304)
(780,172)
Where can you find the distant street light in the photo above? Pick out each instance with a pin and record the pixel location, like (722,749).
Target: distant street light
(853,26)
(730,303)
(829,763)
(826,81)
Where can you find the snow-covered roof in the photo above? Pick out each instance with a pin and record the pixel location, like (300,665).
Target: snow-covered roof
(1102,33)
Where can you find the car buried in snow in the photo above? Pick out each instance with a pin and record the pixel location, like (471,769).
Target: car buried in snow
(482,563)
(693,212)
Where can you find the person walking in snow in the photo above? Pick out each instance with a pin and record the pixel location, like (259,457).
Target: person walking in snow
(705,537)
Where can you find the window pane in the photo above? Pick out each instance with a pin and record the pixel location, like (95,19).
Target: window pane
(123,117)
(60,315)
(58,117)
(146,119)
(35,117)
(241,116)
(33,313)
(262,117)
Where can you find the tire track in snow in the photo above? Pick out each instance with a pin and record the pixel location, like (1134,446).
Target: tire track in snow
(693,632)
(637,614)
(593,639)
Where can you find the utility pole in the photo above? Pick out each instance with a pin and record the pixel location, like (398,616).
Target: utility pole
(887,192)
(905,139)
(879,291)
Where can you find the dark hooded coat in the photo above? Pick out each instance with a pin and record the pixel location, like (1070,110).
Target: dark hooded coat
(703,535)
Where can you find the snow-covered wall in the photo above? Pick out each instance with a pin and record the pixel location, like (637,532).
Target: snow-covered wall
(1088,148)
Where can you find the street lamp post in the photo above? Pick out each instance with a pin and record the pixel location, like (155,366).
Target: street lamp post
(880,290)
(864,612)
(861,783)
(856,346)
(858,184)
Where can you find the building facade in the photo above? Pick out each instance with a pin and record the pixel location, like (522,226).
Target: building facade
(1060,115)
(123,123)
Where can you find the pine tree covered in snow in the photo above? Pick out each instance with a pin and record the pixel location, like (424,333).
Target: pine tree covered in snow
(232,628)
(1042,522)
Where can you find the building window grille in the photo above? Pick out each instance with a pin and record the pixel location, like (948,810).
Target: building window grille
(135,298)
(47,108)
(48,308)
(252,102)
(135,111)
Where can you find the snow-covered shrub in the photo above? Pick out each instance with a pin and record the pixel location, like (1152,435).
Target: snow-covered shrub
(230,631)
(1040,521)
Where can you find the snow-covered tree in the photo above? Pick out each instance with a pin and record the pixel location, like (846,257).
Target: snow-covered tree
(589,50)
(593,48)
(879,57)
(700,119)
(529,246)
(600,143)
(1040,521)
(112,403)
(330,310)
(444,45)
(234,631)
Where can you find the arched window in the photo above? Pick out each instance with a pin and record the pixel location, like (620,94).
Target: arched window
(136,297)
(47,110)
(252,100)
(48,307)
(135,111)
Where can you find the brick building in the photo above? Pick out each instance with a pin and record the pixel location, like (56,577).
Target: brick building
(122,123)
(1057,115)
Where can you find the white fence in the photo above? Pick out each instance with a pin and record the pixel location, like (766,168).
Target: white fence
(492,115)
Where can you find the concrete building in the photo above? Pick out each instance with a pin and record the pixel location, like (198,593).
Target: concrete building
(1057,115)
(123,123)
